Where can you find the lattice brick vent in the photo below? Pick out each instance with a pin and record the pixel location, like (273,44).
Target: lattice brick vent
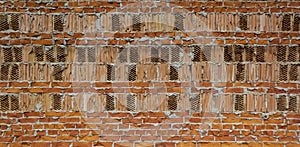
(115,22)
(14,72)
(131,100)
(136,20)
(281,53)
(154,55)
(228,54)
(9,102)
(60,54)
(57,100)
(244,22)
(296,23)
(178,22)
(281,103)
(175,54)
(206,53)
(238,53)
(283,73)
(293,103)
(4,71)
(286,22)
(132,73)
(197,53)
(81,54)
(294,72)
(195,103)
(249,53)
(91,52)
(14,101)
(110,72)
(260,54)
(58,23)
(18,54)
(4,102)
(292,55)
(7,53)
(110,103)
(164,54)
(50,55)
(14,21)
(39,53)
(240,72)
(173,73)
(134,55)
(57,72)
(172,102)
(3,22)
(239,102)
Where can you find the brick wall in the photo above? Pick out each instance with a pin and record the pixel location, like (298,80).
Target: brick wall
(99,73)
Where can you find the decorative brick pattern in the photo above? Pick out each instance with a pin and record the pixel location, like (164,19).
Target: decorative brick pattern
(149,73)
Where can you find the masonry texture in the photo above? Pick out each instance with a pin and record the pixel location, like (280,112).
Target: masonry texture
(114,73)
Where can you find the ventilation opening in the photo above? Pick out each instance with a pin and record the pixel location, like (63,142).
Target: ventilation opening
(91,55)
(4,103)
(7,52)
(164,54)
(292,56)
(57,100)
(134,55)
(238,51)
(154,55)
(61,56)
(195,103)
(172,102)
(57,72)
(240,72)
(243,22)
(3,23)
(110,103)
(110,72)
(178,22)
(197,53)
(281,103)
(260,54)
(81,54)
(281,53)
(206,53)
(286,22)
(14,102)
(15,21)
(115,22)
(173,73)
(132,73)
(50,55)
(14,72)
(4,72)
(283,72)
(131,100)
(239,103)
(294,72)
(296,23)
(228,54)
(39,53)
(18,54)
(137,26)
(293,103)
(175,54)
(249,53)
(58,23)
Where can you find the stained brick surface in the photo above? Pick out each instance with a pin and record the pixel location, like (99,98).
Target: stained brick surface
(149,73)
